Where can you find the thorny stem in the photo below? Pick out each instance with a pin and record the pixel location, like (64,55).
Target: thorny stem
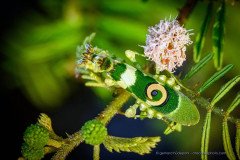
(74,140)
(70,143)
(186,10)
(203,102)
(207,105)
(54,143)
(184,13)
(113,107)
(96,152)
(48,150)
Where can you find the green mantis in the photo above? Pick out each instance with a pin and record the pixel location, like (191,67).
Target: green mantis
(156,95)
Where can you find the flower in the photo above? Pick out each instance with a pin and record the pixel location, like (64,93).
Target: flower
(36,136)
(166,45)
(31,153)
(94,132)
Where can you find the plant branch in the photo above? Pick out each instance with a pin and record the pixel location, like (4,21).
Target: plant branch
(70,143)
(114,107)
(204,103)
(96,152)
(74,140)
(186,10)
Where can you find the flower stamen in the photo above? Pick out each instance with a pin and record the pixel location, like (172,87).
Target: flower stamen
(166,45)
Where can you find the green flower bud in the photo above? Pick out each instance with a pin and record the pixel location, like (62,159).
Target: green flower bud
(32,153)
(36,136)
(94,132)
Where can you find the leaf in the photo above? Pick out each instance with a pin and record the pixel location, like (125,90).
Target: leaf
(234,104)
(200,38)
(198,66)
(82,48)
(238,139)
(205,136)
(218,36)
(173,127)
(225,89)
(215,77)
(45,121)
(95,84)
(89,38)
(140,145)
(227,142)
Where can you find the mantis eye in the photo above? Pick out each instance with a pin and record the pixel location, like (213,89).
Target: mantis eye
(156,94)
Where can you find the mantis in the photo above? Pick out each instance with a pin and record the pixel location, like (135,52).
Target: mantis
(156,95)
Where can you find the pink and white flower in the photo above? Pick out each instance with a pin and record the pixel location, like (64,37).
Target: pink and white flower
(166,45)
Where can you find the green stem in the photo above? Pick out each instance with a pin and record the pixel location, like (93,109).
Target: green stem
(204,103)
(179,83)
(54,143)
(48,150)
(114,107)
(186,10)
(96,152)
(75,139)
(70,143)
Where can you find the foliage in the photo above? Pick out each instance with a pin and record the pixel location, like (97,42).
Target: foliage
(95,65)
(140,145)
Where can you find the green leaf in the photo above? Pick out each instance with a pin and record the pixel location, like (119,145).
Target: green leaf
(225,89)
(227,142)
(45,121)
(205,136)
(82,48)
(238,139)
(173,127)
(198,66)
(215,77)
(200,38)
(218,36)
(140,145)
(89,38)
(234,104)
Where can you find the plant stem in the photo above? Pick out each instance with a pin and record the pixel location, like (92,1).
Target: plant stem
(75,139)
(70,143)
(203,102)
(54,143)
(96,152)
(186,10)
(114,107)
(200,101)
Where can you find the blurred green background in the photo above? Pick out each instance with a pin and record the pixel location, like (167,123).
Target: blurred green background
(38,43)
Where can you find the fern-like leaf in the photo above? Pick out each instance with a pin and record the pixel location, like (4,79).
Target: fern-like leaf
(200,38)
(234,104)
(218,36)
(226,136)
(45,121)
(215,77)
(198,66)
(225,89)
(227,142)
(237,144)
(140,145)
(205,136)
